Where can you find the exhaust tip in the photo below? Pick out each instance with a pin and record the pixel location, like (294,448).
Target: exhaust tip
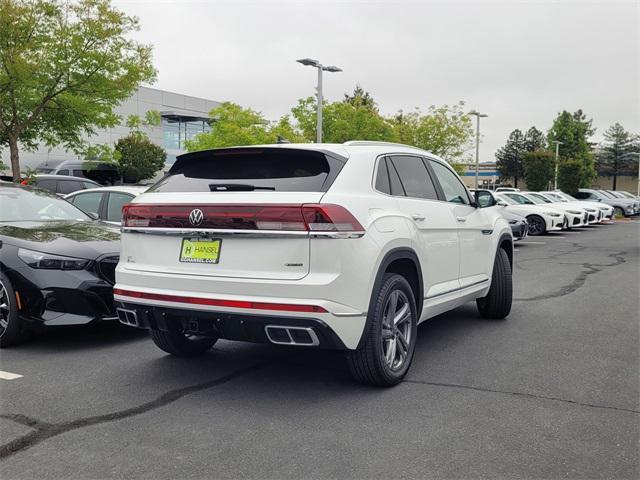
(297,336)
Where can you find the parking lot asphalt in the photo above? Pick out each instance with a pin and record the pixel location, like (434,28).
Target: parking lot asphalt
(551,392)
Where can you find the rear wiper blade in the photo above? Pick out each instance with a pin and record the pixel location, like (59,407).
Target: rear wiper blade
(236,187)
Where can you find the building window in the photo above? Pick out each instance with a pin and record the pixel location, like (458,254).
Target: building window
(176,129)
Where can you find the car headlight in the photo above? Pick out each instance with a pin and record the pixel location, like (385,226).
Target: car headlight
(573,212)
(49,261)
(555,214)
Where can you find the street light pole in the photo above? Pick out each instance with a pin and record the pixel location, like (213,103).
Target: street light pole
(321,68)
(319,108)
(555,176)
(478,115)
(638,193)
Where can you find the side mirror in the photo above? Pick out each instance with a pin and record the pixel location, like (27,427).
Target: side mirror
(500,203)
(483,199)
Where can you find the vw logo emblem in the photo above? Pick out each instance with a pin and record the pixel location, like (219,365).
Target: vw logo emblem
(196,216)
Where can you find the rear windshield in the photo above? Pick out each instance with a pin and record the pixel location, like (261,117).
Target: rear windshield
(247,170)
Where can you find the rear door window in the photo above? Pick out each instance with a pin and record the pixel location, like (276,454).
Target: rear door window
(46,185)
(88,202)
(382,177)
(69,186)
(414,177)
(114,205)
(277,169)
(63,172)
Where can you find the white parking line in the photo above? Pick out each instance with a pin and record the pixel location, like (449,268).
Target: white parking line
(531,243)
(554,236)
(9,375)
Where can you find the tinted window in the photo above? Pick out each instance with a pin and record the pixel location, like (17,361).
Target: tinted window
(277,169)
(90,185)
(394,179)
(63,172)
(47,185)
(114,207)
(78,173)
(580,195)
(69,186)
(382,178)
(88,202)
(454,190)
(414,177)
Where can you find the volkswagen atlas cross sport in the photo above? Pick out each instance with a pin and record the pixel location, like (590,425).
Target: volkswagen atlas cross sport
(320,246)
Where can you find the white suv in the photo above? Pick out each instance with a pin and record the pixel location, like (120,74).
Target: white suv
(313,245)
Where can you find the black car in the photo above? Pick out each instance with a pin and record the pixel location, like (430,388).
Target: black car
(62,184)
(518,224)
(57,265)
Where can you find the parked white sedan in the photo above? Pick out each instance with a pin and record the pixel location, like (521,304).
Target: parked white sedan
(573,217)
(105,203)
(607,211)
(540,219)
(592,212)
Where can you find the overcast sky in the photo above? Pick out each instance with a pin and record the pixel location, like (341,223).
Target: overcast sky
(521,63)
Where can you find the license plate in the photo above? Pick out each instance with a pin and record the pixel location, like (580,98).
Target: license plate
(200,250)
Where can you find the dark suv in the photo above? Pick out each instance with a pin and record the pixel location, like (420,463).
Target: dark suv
(62,185)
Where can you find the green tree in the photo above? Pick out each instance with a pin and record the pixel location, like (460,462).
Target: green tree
(618,153)
(534,140)
(573,130)
(509,157)
(445,130)
(570,175)
(342,121)
(360,97)
(539,169)
(233,125)
(64,66)
(138,157)
(3,167)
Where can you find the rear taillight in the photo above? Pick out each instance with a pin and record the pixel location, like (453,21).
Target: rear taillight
(307,217)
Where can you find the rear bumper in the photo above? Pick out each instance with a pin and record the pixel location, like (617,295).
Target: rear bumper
(235,311)
(227,325)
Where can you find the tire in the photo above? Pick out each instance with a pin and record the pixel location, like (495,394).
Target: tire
(385,362)
(537,225)
(177,343)
(497,303)
(618,212)
(12,329)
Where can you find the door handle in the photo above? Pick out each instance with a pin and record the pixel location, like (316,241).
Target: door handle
(461,219)
(417,217)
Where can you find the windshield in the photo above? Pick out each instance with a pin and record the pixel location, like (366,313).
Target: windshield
(507,200)
(537,196)
(605,194)
(567,197)
(26,205)
(627,194)
(555,196)
(521,199)
(615,194)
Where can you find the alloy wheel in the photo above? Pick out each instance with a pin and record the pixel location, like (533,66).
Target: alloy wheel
(536,226)
(396,330)
(4,309)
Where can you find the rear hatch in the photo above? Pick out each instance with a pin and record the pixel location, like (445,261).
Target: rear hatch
(238,213)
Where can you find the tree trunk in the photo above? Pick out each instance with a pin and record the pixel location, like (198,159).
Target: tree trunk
(515,182)
(615,179)
(15,160)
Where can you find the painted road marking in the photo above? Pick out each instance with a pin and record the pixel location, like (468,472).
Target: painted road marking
(532,243)
(554,236)
(9,375)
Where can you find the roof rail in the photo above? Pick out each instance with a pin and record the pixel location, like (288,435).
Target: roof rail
(373,143)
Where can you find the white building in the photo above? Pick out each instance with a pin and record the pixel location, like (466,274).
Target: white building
(183,117)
